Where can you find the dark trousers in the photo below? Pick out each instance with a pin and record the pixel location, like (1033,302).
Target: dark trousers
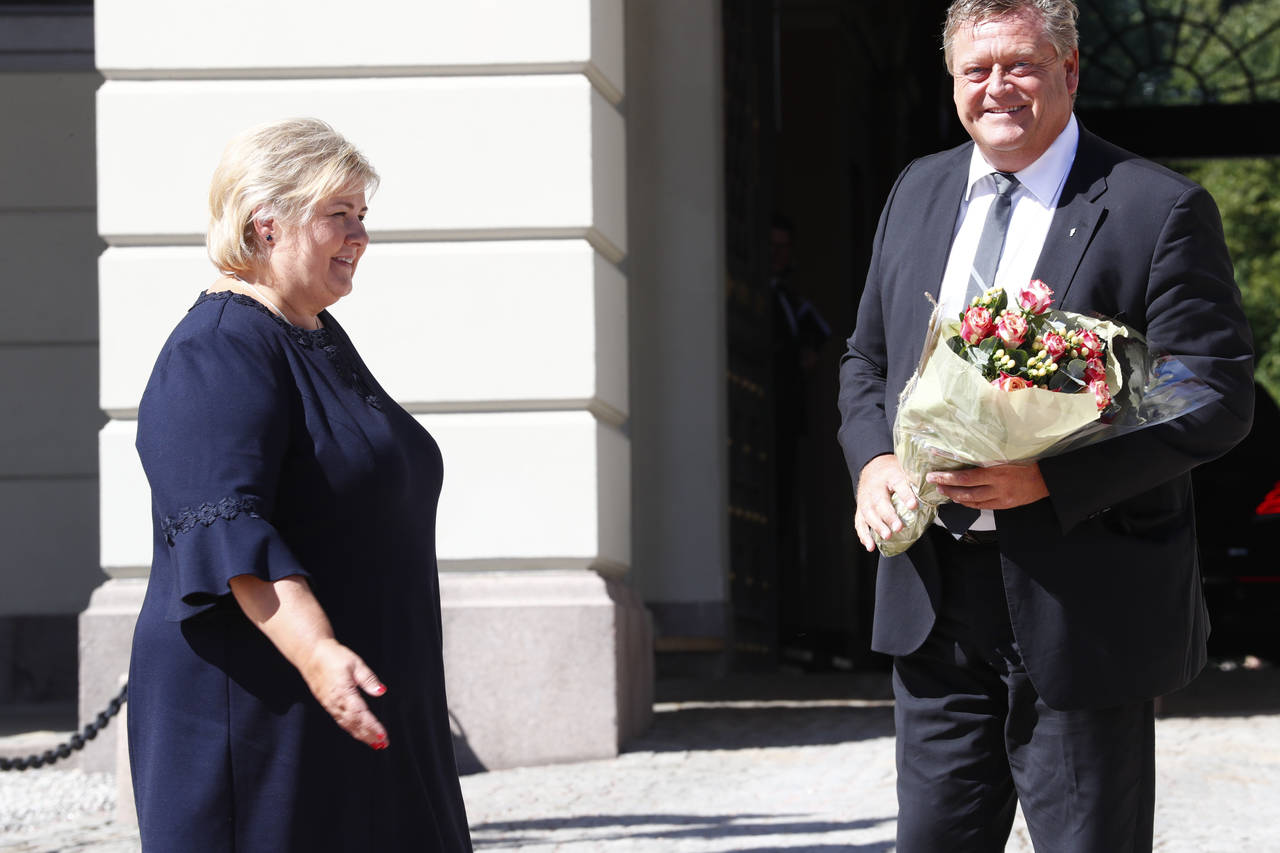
(974,738)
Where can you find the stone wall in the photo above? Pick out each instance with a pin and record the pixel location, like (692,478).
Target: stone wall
(492,304)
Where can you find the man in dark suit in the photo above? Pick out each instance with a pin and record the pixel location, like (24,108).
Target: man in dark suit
(1029,647)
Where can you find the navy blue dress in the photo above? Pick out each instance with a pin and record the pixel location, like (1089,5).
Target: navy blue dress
(272,451)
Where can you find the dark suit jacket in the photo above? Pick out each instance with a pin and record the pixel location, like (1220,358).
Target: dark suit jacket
(1102,576)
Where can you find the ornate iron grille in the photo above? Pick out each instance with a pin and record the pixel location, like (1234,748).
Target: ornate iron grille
(1179,52)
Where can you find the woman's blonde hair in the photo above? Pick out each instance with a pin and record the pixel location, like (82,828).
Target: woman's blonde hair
(280,170)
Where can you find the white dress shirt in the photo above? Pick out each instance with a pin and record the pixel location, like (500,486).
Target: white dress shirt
(1034,201)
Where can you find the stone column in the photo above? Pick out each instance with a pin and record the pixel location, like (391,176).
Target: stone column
(677,273)
(492,304)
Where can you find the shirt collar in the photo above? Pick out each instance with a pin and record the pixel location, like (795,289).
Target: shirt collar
(1043,178)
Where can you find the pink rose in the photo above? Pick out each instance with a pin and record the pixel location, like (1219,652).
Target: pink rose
(1036,297)
(1089,344)
(1011,328)
(976,325)
(1101,393)
(1095,370)
(1054,344)
(1005,382)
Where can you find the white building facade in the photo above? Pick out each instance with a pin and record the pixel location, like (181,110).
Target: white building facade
(571,284)
(49,415)
(543,292)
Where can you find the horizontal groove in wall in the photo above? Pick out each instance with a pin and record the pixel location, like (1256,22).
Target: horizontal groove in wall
(606,567)
(599,242)
(46,478)
(597,78)
(603,411)
(23,344)
(55,62)
(43,210)
(126,572)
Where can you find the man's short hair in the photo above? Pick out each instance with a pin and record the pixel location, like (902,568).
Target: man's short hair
(1059,18)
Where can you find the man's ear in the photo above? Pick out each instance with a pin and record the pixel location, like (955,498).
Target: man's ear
(1072,67)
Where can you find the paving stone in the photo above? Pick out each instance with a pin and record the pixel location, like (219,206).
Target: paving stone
(725,773)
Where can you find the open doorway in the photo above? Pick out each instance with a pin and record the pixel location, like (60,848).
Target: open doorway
(825,101)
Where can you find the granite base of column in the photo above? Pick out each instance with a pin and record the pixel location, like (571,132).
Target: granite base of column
(541,667)
(106,637)
(544,666)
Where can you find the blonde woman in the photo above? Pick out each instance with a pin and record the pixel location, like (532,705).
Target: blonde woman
(286,687)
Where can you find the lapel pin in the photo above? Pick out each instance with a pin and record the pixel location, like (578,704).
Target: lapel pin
(1072,233)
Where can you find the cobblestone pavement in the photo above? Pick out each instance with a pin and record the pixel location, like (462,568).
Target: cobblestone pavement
(797,767)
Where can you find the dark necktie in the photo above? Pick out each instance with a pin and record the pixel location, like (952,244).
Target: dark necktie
(957,518)
(990,245)
(982,277)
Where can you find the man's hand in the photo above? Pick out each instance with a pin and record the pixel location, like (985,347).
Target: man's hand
(997,487)
(880,478)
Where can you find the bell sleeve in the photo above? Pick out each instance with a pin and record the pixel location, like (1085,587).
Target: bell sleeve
(213,431)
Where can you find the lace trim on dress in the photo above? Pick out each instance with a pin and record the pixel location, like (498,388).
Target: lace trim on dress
(321,339)
(207,513)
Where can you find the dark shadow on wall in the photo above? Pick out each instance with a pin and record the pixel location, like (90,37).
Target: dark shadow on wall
(778,708)
(780,683)
(738,727)
(466,759)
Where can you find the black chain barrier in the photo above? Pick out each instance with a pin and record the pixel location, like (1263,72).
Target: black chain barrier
(63,750)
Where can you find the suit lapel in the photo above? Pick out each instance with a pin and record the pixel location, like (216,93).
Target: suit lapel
(931,244)
(1075,222)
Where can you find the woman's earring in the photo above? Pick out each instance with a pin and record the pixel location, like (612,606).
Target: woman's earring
(268,238)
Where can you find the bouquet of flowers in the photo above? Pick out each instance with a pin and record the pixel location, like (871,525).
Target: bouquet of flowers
(1028,347)
(1009,383)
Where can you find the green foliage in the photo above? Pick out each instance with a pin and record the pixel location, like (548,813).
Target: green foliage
(1070,378)
(1180,51)
(1169,52)
(1248,195)
(980,356)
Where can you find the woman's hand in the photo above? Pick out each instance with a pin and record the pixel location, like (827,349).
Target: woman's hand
(336,676)
(288,613)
